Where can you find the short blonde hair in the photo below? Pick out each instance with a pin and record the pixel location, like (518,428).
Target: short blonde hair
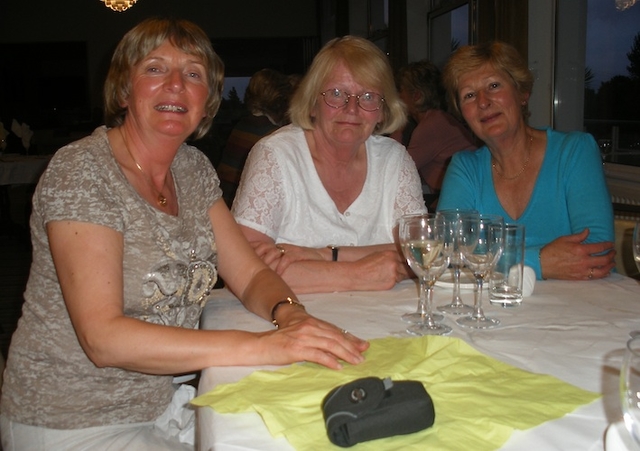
(369,67)
(500,55)
(142,40)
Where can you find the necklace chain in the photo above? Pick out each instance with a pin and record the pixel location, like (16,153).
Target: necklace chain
(524,166)
(162,200)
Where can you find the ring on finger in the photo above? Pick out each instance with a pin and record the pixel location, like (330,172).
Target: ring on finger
(280,248)
(590,276)
(345,331)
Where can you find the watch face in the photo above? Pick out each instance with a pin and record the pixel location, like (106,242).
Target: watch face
(334,252)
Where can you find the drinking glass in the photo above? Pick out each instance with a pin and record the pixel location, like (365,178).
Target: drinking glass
(481,244)
(636,244)
(630,388)
(422,241)
(418,315)
(452,222)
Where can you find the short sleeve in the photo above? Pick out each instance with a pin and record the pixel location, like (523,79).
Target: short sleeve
(74,188)
(409,198)
(260,198)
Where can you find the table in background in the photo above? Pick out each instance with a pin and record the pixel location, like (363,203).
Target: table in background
(575,331)
(17,169)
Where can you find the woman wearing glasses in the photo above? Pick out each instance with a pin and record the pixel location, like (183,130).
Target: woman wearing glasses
(320,199)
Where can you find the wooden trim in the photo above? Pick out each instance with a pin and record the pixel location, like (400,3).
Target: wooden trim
(504,20)
(397,45)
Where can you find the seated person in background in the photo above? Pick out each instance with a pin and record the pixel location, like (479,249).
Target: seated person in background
(438,134)
(330,178)
(129,235)
(267,101)
(551,182)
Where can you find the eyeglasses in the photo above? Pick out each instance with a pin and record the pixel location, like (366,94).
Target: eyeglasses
(368,101)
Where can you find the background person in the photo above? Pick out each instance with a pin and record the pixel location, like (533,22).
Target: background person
(267,101)
(330,178)
(552,182)
(129,234)
(437,134)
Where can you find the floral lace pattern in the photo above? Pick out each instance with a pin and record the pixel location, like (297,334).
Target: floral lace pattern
(282,196)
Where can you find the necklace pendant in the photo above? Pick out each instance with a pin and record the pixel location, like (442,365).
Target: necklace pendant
(162,201)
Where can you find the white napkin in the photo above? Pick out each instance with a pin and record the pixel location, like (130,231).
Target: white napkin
(22,131)
(179,420)
(528,281)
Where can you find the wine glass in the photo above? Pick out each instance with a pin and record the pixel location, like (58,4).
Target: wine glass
(452,220)
(422,241)
(481,244)
(636,244)
(630,388)
(418,315)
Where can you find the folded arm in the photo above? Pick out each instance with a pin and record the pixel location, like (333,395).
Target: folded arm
(312,270)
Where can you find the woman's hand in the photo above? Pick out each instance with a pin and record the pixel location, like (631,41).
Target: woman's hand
(305,338)
(381,270)
(280,256)
(568,257)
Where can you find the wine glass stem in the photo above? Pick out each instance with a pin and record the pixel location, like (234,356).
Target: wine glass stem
(477,304)
(456,285)
(422,300)
(426,301)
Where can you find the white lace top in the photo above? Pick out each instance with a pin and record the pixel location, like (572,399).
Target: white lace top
(282,196)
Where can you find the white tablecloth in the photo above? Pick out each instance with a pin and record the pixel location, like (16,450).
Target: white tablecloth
(575,331)
(22,169)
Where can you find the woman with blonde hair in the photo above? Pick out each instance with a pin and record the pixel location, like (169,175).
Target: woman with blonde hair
(129,236)
(320,199)
(550,181)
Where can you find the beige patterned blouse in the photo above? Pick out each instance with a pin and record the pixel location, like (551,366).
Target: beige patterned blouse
(169,268)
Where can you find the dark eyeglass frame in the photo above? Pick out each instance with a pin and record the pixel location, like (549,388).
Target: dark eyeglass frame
(357,96)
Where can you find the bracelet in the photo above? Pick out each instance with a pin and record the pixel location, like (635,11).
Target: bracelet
(287,300)
(334,252)
(540,263)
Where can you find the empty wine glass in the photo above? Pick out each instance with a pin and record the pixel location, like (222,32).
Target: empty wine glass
(452,219)
(636,244)
(630,388)
(422,241)
(481,244)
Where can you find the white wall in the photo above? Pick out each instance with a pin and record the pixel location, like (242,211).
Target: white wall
(571,41)
(541,54)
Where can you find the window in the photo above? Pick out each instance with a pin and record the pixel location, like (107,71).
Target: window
(612,80)
(448,29)
(593,89)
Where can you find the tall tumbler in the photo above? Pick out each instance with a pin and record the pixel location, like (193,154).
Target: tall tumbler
(506,281)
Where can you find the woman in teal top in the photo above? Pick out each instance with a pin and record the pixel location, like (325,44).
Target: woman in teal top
(551,182)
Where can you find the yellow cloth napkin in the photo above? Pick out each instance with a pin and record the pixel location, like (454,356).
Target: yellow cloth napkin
(478,400)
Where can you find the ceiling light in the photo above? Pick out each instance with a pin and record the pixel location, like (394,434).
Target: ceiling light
(119,5)
(621,5)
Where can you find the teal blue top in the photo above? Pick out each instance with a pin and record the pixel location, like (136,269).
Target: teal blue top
(570,193)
